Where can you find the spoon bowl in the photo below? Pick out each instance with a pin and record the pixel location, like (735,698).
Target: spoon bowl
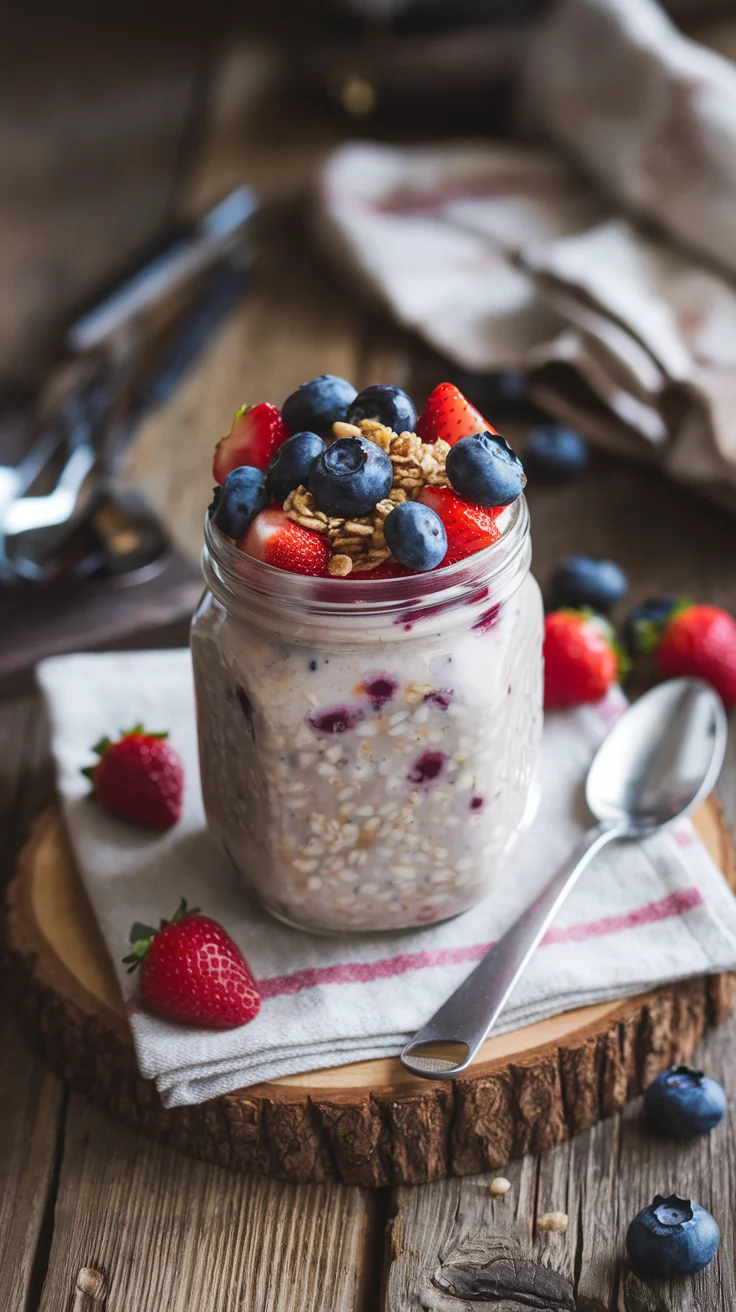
(661,759)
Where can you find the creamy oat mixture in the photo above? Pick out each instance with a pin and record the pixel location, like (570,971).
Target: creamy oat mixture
(376,788)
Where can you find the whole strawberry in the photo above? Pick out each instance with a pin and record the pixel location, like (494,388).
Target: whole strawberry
(580,659)
(192,972)
(139,778)
(700,642)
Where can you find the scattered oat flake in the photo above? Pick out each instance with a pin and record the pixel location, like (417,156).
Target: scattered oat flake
(552,1221)
(500,1185)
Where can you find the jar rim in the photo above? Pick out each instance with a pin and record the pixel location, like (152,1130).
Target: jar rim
(228,570)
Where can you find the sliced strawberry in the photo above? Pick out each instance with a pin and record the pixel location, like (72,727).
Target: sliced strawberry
(450,416)
(469,528)
(256,433)
(277,540)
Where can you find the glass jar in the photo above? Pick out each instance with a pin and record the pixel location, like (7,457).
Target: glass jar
(369,750)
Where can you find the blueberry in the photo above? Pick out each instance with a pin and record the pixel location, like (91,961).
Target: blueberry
(389,405)
(583,581)
(504,389)
(484,469)
(642,624)
(672,1237)
(318,404)
(350,477)
(553,454)
(291,463)
(682,1102)
(242,496)
(416,536)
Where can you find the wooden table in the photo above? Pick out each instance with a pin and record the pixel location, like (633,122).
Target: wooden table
(94,1217)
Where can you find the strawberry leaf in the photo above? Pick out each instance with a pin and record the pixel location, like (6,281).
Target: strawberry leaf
(139,931)
(646,636)
(623,661)
(101,747)
(141,938)
(649,633)
(138,730)
(181,911)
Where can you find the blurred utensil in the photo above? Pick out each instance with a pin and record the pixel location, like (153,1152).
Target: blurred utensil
(121,364)
(219,234)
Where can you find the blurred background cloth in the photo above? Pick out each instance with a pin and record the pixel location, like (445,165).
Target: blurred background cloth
(612,285)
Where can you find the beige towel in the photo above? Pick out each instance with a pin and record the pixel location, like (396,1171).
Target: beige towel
(503,256)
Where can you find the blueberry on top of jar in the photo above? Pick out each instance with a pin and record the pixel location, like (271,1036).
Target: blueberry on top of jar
(387,405)
(683,1102)
(350,477)
(291,464)
(484,469)
(318,404)
(416,536)
(241,497)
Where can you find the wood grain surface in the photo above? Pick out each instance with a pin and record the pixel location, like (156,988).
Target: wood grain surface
(98,1219)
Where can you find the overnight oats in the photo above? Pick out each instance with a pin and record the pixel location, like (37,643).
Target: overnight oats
(367,657)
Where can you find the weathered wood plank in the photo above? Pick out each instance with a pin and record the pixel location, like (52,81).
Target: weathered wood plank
(155,1230)
(600,1179)
(30,1112)
(253,133)
(30,1097)
(701,1169)
(89,151)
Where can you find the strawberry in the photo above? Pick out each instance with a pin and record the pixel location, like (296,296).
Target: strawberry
(580,658)
(277,540)
(140,779)
(469,528)
(448,415)
(700,641)
(192,972)
(256,433)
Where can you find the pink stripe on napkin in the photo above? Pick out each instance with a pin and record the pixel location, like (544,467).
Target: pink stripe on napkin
(366,972)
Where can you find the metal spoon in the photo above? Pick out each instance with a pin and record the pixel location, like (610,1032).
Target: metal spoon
(660,760)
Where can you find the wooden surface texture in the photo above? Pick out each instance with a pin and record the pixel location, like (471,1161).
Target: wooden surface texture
(95,1218)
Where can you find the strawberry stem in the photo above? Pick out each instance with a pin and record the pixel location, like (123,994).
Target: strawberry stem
(142,936)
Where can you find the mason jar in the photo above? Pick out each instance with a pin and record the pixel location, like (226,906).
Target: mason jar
(369,749)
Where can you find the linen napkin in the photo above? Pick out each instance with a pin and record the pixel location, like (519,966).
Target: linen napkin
(506,256)
(642,915)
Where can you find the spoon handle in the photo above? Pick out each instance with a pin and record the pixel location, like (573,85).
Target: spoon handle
(474,1007)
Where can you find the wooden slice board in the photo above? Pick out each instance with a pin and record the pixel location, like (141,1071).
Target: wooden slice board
(369,1123)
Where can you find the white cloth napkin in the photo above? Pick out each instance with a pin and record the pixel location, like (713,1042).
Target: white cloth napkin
(504,256)
(643,914)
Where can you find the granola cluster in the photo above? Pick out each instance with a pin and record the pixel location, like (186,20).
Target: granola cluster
(359,544)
